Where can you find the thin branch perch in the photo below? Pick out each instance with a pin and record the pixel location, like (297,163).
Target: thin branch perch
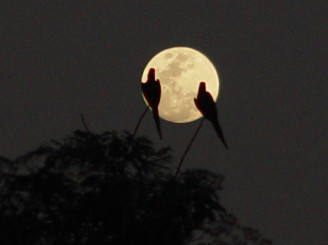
(188,147)
(139,122)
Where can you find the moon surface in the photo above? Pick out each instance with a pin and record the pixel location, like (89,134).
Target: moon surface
(180,70)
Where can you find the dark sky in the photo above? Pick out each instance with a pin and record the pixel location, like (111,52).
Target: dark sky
(60,60)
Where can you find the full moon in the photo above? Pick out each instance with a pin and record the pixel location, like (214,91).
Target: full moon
(180,70)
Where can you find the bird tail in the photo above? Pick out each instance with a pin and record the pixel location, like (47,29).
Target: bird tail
(156,119)
(219,132)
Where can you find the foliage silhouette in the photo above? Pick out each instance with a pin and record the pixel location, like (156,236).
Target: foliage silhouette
(110,188)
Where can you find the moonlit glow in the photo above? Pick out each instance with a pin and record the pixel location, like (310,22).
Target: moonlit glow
(180,70)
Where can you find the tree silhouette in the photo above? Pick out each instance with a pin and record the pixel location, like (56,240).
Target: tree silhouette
(111,188)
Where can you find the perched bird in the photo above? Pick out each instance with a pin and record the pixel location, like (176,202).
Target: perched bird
(206,105)
(152,92)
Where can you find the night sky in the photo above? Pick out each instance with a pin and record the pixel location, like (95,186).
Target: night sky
(60,60)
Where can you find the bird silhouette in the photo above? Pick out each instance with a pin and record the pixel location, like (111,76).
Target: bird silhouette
(206,105)
(152,92)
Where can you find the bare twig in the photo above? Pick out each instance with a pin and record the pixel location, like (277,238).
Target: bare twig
(139,122)
(84,123)
(188,147)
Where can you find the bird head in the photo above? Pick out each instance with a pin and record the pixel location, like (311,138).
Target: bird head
(151,74)
(201,88)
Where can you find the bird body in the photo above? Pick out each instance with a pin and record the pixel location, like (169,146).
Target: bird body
(206,105)
(151,90)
